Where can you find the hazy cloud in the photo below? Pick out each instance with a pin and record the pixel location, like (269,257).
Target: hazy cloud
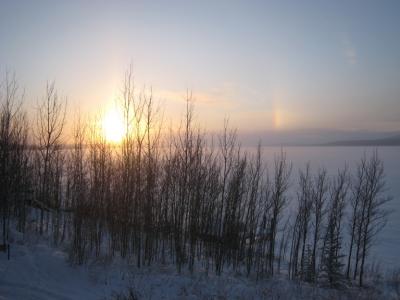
(349,50)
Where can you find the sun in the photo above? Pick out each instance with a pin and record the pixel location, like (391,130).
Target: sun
(113,126)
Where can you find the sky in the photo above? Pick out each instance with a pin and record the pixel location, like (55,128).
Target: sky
(268,66)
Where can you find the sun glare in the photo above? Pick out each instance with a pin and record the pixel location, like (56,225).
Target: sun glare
(113,126)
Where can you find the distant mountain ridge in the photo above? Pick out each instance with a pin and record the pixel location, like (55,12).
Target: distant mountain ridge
(320,137)
(388,141)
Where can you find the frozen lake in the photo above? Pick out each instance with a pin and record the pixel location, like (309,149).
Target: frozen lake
(333,158)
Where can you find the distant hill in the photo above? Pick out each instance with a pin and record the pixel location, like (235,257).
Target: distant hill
(319,137)
(388,141)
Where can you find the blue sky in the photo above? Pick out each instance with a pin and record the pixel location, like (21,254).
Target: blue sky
(268,65)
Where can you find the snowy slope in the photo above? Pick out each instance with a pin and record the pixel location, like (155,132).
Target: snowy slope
(39,271)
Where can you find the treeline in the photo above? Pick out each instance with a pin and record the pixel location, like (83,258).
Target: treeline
(183,198)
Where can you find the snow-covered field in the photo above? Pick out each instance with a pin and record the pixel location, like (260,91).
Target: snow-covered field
(37,270)
(387,246)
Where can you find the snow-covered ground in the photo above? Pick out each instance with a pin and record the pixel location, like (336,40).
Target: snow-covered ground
(37,270)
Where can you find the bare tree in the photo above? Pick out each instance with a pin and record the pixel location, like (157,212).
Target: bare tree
(357,187)
(13,155)
(331,260)
(302,226)
(50,124)
(77,193)
(319,194)
(279,200)
(369,215)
